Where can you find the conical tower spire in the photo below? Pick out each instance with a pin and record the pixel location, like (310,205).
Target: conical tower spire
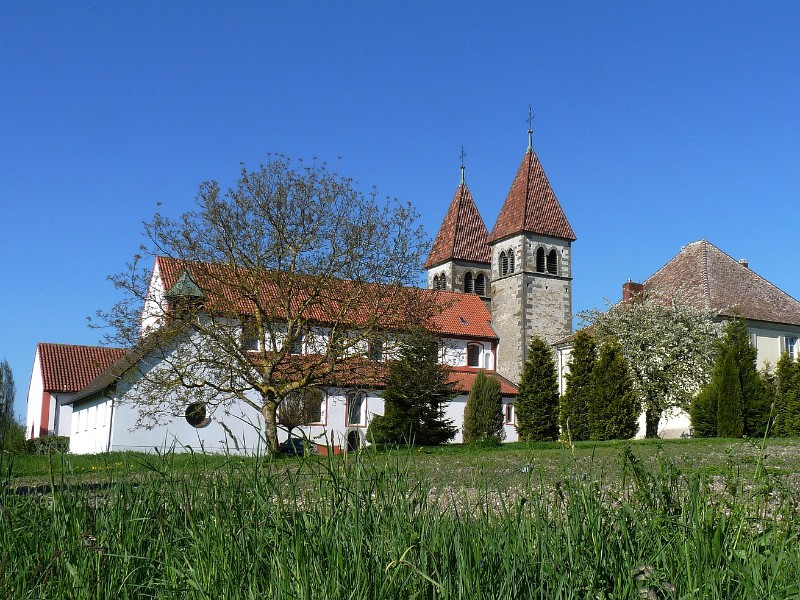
(531,205)
(463,234)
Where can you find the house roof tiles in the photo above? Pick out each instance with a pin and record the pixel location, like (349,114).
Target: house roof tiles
(703,275)
(69,368)
(531,205)
(463,234)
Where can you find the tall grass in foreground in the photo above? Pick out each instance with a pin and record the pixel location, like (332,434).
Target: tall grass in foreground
(367,528)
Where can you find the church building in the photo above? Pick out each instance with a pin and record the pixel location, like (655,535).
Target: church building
(496,290)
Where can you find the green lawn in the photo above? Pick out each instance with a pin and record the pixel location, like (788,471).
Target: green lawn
(649,519)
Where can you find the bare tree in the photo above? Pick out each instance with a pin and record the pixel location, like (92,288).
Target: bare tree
(286,282)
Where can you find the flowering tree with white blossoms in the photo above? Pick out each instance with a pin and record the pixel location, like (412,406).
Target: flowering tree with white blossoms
(669,345)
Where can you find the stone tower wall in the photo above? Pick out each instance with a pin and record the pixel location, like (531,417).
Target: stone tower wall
(455,271)
(527,302)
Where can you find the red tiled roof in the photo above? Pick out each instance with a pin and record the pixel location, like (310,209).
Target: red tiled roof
(463,235)
(454,314)
(702,275)
(531,205)
(464,378)
(462,315)
(68,368)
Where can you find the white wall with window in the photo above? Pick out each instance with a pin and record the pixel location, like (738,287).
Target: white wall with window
(772,339)
(468,353)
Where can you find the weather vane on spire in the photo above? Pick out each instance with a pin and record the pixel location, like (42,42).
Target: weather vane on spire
(530,127)
(462,156)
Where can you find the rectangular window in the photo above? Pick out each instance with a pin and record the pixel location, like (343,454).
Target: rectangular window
(754,340)
(790,346)
(474,355)
(510,416)
(376,350)
(298,345)
(318,415)
(356,408)
(249,334)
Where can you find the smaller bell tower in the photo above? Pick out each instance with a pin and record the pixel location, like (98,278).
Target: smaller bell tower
(460,260)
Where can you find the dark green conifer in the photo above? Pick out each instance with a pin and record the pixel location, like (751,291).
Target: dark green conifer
(537,404)
(737,392)
(787,397)
(574,405)
(417,390)
(483,415)
(703,412)
(756,399)
(615,408)
(730,414)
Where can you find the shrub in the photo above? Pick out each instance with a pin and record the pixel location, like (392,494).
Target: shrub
(737,393)
(787,397)
(574,405)
(615,409)
(537,405)
(49,444)
(483,415)
(12,439)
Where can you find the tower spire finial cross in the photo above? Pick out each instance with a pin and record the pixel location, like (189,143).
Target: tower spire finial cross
(530,127)
(462,156)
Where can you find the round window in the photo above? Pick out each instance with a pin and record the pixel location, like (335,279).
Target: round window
(196,415)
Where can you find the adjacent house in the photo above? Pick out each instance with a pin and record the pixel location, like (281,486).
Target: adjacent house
(704,276)
(59,372)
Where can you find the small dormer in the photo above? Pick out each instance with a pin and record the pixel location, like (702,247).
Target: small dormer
(184,297)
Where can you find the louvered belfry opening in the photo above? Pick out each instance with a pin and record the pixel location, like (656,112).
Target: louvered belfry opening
(480,284)
(469,286)
(540,264)
(552,262)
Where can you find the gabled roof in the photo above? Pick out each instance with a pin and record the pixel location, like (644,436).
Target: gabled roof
(704,276)
(464,378)
(454,314)
(69,368)
(463,235)
(531,205)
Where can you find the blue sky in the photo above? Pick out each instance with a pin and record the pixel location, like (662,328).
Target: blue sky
(658,123)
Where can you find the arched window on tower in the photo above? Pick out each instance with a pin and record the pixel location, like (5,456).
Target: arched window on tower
(480,284)
(510,261)
(503,264)
(552,262)
(540,260)
(469,286)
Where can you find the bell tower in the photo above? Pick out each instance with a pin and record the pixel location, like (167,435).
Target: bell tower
(460,258)
(531,262)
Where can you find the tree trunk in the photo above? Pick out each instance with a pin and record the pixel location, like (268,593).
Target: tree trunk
(269,409)
(652,417)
